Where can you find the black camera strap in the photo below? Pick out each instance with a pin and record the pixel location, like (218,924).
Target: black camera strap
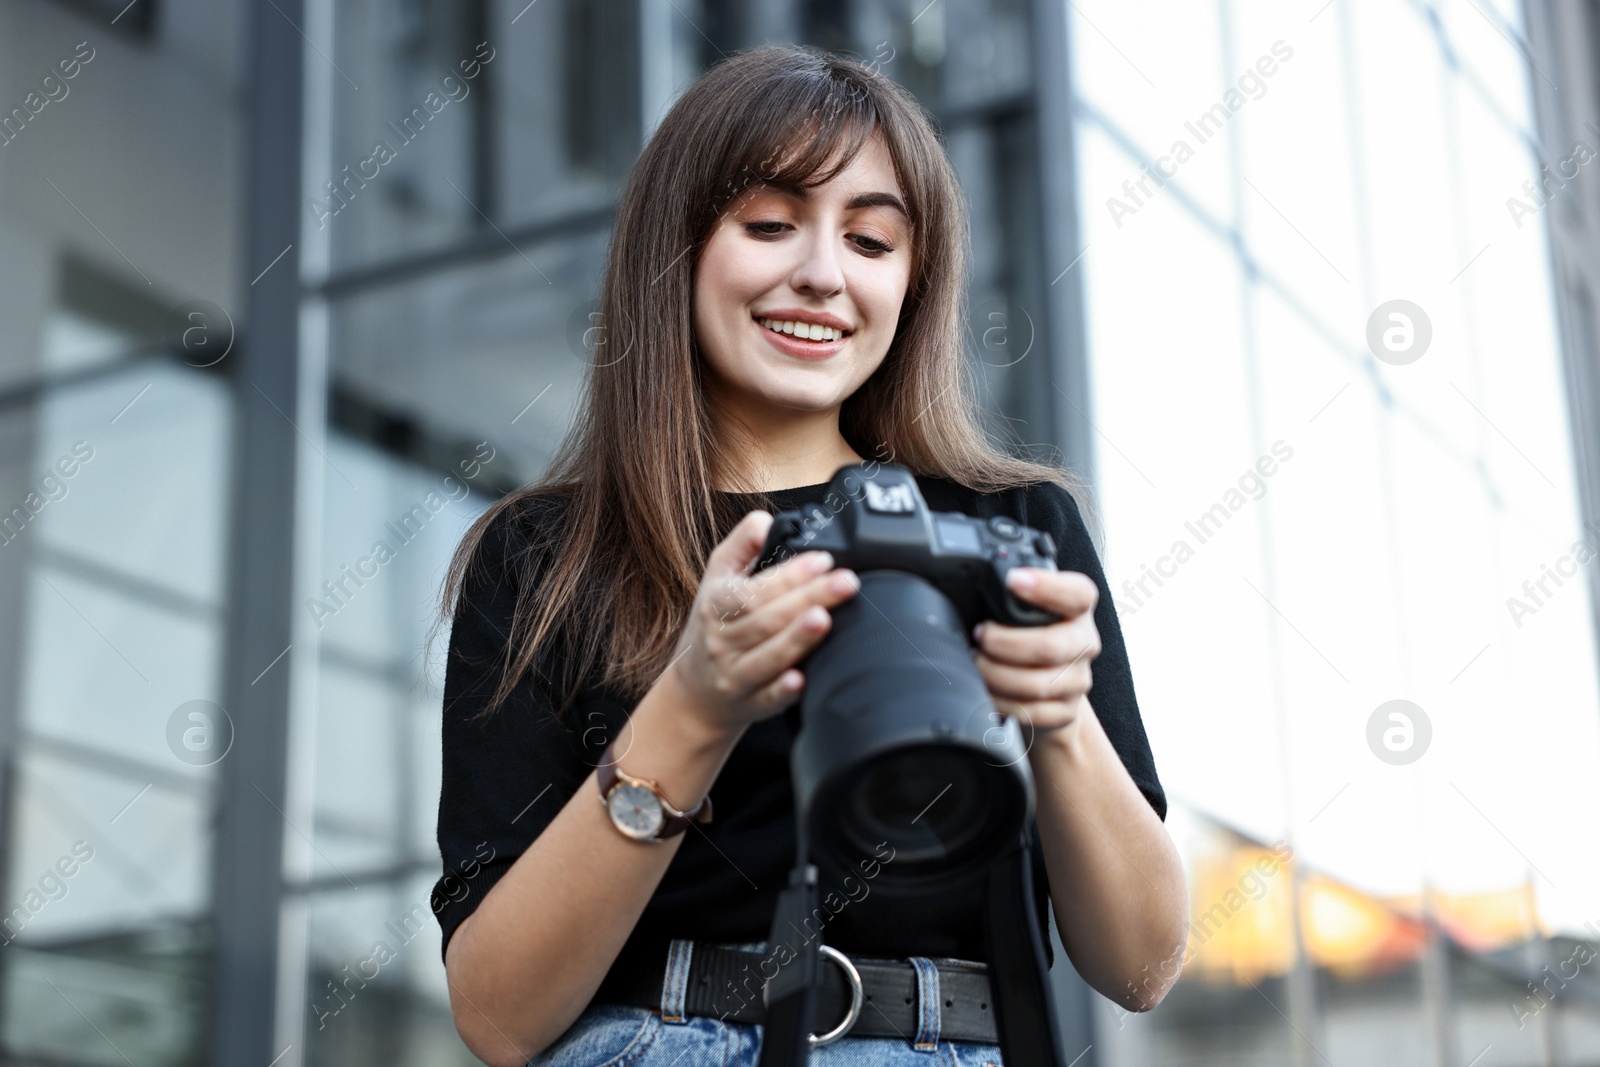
(791,993)
(1024,1008)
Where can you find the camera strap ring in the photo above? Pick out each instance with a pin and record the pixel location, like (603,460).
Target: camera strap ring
(856,997)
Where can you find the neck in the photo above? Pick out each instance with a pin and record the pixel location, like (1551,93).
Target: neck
(786,448)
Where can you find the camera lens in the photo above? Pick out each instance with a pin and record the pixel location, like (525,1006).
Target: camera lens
(927,803)
(897,745)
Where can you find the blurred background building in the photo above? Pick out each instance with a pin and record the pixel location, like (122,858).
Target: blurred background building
(287,281)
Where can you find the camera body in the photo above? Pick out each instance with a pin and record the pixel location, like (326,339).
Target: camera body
(884,523)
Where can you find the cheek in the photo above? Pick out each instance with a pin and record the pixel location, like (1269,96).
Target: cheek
(702,299)
(880,294)
(740,255)
(731,275)
(715,290)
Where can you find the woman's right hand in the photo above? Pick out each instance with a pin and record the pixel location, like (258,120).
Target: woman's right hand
(736,658)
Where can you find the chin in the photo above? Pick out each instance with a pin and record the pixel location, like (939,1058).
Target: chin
(791,398)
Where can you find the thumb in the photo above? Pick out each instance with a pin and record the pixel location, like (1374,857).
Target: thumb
(742,545)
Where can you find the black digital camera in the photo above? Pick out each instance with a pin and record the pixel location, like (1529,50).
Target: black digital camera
(883,522)
(895,737)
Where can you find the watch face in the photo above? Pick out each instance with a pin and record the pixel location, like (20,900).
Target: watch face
(635,810)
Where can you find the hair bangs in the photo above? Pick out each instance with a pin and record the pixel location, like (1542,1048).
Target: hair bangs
(797,132)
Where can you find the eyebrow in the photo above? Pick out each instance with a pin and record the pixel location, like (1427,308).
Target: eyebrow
(860,200)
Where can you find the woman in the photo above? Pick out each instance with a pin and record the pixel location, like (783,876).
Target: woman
(782,296)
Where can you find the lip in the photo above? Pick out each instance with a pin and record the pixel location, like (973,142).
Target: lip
(812,350)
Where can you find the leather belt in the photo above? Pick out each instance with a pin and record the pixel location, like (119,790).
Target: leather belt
(859,996)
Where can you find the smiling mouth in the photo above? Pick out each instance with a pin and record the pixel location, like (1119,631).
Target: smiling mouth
(804,331)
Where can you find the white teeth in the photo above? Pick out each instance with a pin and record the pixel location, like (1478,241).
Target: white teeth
(808,330)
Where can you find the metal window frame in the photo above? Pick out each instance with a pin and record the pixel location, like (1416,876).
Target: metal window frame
(248,851)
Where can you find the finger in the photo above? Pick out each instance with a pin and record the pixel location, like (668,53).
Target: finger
(729,563)
(780,692)
(739,594)
(1041,646)
(1035,683)
(1039,714)
(1067,593)
(763,620)
(742,545)
(788,646)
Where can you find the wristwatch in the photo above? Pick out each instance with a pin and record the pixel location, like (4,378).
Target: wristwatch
(637,807)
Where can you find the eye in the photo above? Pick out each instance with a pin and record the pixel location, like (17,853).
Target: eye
(755,229)
(872,246)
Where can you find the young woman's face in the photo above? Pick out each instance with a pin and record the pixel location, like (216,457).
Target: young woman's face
(835,255)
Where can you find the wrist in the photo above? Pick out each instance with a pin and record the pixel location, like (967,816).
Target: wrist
(1061,746)
(664,741)
(687,719)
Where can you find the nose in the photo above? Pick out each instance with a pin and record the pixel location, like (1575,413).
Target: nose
(818,271)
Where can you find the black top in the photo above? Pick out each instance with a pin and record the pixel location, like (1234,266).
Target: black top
(505,777)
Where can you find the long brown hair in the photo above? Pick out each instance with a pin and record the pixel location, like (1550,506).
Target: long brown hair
(612,581)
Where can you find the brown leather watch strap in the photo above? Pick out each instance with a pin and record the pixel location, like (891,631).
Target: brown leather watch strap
(673,821)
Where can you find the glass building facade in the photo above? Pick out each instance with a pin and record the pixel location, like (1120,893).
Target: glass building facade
(1283,184)
(294,289)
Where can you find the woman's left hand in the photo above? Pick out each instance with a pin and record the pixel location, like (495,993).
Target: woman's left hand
(1041,674)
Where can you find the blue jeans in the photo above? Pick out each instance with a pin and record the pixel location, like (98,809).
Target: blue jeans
(614,1035)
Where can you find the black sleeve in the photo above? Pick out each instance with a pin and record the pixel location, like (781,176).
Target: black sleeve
(507,775)
(1052,508)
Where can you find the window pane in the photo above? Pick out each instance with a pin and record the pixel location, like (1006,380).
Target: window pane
(121,629)
(377,989)
(406,162)
(390,527)
(1163,92)
(494,351)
